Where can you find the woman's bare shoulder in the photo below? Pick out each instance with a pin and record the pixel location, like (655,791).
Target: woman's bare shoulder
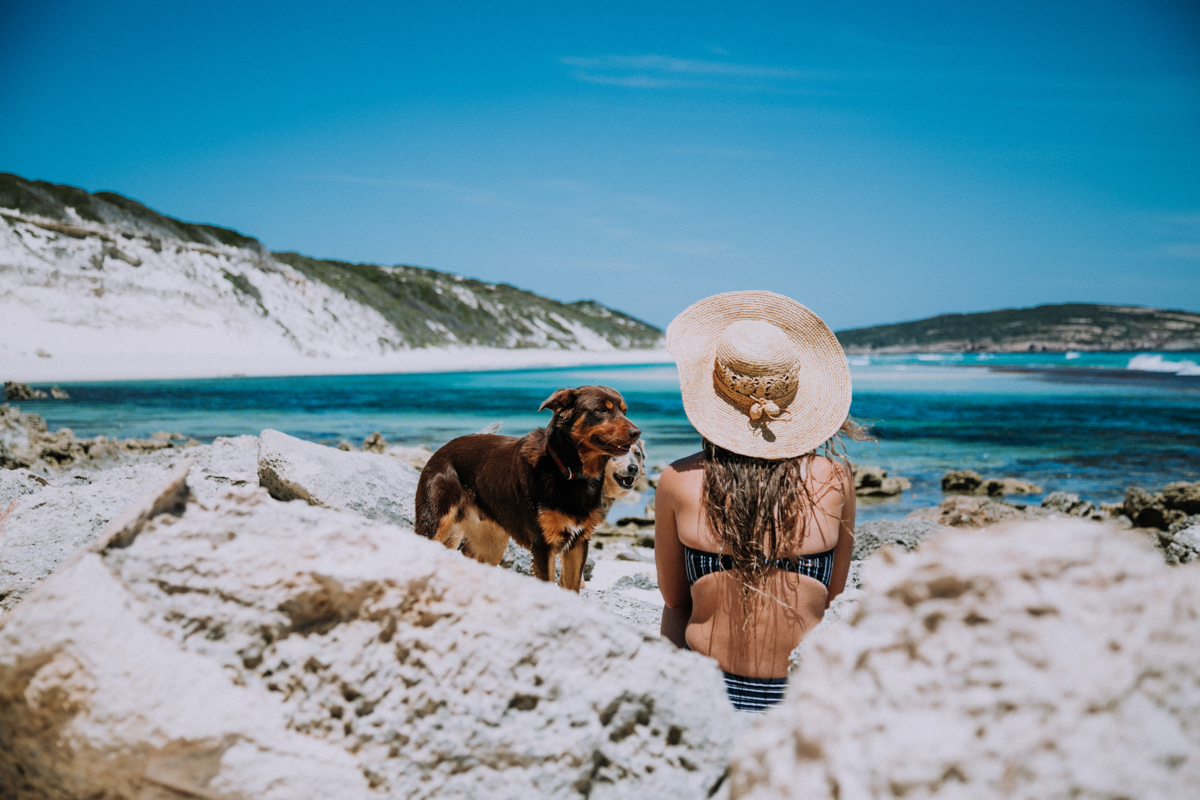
(681,471)
(687,464)
(831,469)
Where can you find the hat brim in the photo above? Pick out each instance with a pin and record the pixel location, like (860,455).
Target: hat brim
(822,400)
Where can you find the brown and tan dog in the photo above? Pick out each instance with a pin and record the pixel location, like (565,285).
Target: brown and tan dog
(544,489)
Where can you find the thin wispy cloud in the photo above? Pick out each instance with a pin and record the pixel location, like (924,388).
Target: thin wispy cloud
(665,72)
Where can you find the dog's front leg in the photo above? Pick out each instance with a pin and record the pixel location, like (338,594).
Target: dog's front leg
(541,561)
(572,566)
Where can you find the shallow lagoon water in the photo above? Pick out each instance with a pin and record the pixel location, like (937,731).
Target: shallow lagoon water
(1092,430)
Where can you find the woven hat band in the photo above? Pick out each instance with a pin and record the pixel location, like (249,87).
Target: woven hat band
(756,367)
(748,393)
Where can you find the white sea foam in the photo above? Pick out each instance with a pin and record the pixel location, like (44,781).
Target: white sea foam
(860,361)
(940,357)
(1071,354)
(1153,362)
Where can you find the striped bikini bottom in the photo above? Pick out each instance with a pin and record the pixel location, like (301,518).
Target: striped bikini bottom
(754,694)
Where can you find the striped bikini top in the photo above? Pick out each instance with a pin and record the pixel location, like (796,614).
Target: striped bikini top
(699,563)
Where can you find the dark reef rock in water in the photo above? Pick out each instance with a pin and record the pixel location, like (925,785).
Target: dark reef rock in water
(22,391)
(968,481)
(874,481)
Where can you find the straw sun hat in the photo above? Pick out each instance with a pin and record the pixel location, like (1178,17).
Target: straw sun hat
(761,375)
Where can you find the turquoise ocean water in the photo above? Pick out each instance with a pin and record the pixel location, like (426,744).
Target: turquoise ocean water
(1088,424)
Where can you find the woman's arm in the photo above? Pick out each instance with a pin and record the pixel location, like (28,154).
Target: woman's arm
(668,561)
(844,548)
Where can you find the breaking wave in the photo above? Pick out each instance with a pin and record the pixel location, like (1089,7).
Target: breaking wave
(1147,362)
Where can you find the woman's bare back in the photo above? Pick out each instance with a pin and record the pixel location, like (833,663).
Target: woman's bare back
(790,604)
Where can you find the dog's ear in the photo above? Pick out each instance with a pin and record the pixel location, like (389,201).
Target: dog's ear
(559,401)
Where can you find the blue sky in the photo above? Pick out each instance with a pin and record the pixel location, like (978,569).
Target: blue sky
(877,161)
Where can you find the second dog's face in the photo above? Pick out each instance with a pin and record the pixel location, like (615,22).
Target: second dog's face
(594,417)
(625,469)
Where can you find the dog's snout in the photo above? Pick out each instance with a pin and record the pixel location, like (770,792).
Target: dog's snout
(634,469)
(634,433)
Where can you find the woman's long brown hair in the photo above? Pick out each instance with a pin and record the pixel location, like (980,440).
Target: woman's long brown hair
(757,507)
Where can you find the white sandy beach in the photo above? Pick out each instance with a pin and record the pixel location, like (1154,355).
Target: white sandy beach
(33,350)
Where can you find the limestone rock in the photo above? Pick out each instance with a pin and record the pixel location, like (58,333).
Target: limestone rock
(1149,510)
(873,481)
(43,529)
(277,650)
(25,442)
(59,394)
(16,483)
(375,443)
(22,391)
(1181,542)
(229,462)
(905,534)
(646,617)
(1051,659)
(1070,504)
(416,457)
(970,512)
(375,487)
(1182,496)
(968,481)
(1001,486)
(961,480)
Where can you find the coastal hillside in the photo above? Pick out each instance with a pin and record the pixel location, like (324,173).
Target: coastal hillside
(1049,328)
(103,274)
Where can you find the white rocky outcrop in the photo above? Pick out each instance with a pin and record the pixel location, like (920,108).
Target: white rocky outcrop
(44,527)
(49,519)
(374,486)
(1047,659)
(251,648)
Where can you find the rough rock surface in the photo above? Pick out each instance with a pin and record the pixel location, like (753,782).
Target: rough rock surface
(1182,496)
(376,487)
(276,650)
(1050,659)
(973,512)
(229,462)
(26,442)
(16,483)
(416,457)
(1148,510)
(375,443)
(22,391)
(45,527)
(968,481)
(1181,543)
(1070,504)
(961,480)
(873,481)
(905,534)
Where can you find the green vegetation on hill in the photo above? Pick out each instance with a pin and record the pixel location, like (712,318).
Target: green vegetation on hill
(51,200)
(428,307)
(1069,326)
